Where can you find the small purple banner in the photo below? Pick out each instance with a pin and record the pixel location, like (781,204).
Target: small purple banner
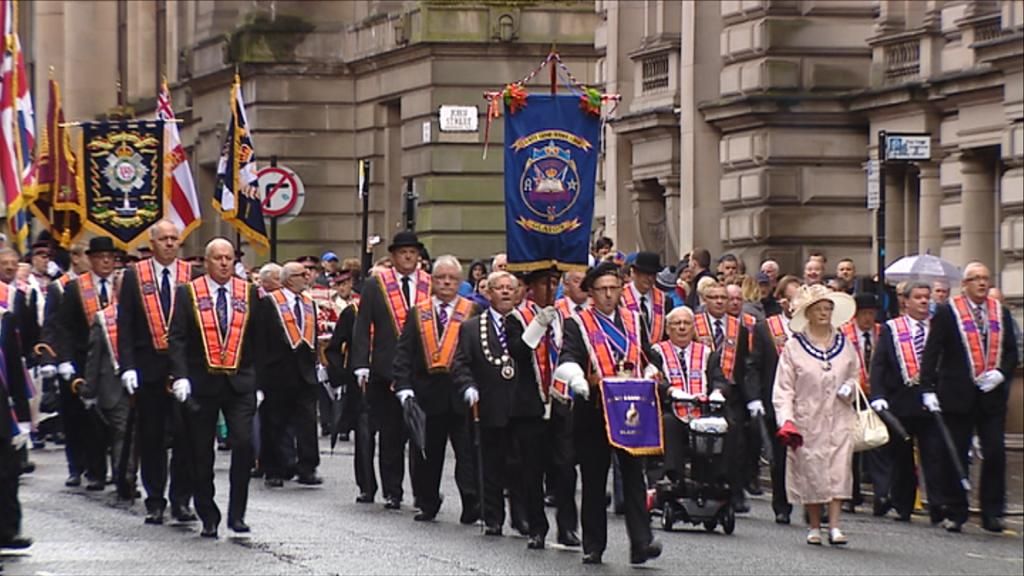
(632,415)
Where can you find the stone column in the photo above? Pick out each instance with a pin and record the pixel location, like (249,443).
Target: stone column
(929,228)
(977,205)
(671,195)
(894,192)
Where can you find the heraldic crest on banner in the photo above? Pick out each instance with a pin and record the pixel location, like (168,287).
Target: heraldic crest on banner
(550,182)
(124,179)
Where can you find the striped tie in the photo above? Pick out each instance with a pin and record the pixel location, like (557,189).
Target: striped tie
(919,340)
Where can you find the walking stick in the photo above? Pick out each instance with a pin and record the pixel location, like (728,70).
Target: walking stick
(477,443)
(894,425)
(125,488)
(951,447)
(766,439)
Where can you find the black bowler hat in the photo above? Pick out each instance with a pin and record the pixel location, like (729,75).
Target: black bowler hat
(647,262)
(100,244)
(602,269)
(535,275)
(866,301)
(403,239)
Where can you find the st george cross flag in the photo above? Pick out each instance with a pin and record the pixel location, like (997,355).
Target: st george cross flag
(17,130)
(181,204)
(236,195)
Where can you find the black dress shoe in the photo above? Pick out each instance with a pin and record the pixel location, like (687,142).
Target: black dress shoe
(273,482)
(343,436)
(183,514)
(209,530)
(782,518)
(425,516)
(393,504)
(469,515)
(741,506)
(849,507)
(993,524)
(903,516)
(521,526)
(28,467)
(568,538)
(155,517)
(256,472)
(952,525)
(535,543)
(650,552)
(16,542)
(96,485)
(364,498)
(492,530)
(592,558)
(754,488)
(73,481)
(239,526)
(549,501)
(309,479)
(881,507)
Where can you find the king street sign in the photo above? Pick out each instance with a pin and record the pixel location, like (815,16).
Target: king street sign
(908,147)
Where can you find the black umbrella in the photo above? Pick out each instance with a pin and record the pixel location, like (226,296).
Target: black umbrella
(126,485)
(364,441)
(953,454)
(766,439)
(416,424)
(894,425)
(337,408)
(477,443)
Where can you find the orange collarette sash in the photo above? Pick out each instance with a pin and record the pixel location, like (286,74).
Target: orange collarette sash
(290,323)
(749,322)
(7,295)
(392,290)
(439,349)
(980,362)
(545,355)
(149,290)
(222,356)
(777,328)
(903,342)
(90,297)
(694,382)
(852,334)
(601,355)
(108,321)
(565,307)
(631,301)
(705,335)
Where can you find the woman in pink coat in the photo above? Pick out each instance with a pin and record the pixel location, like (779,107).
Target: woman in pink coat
(814,388)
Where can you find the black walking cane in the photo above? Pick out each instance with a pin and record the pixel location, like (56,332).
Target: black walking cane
(947,438)
(766,439)
(477,443)
(125,488)
(894,425)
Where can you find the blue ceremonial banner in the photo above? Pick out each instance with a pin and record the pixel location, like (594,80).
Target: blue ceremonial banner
(551,149)
(632,415)
(123,175)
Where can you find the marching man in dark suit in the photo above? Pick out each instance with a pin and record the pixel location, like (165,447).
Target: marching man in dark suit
(385,303)
(895,386)
(966,370)
(215,346)
(424,361)
(144,315)
(601,342)
(289,381)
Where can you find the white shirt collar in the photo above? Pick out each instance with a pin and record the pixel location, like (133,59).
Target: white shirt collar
(684,351)
(438,303)
(217,285)
(497,318)
(608,316)
(97,278)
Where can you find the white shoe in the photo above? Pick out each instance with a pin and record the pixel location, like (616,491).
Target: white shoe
(836,537)
(814,537)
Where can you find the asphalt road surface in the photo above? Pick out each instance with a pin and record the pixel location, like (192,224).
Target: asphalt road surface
(321,530)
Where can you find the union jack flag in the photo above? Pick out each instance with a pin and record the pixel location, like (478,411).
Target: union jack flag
(17,130)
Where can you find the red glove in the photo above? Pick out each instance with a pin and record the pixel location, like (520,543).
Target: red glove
(789,436)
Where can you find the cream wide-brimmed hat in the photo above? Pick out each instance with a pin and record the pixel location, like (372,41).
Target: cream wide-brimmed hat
(845,306)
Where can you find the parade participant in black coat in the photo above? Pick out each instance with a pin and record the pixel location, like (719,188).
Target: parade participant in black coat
(583,374)
(966,370)
(424,363)
(384,306)
(145,306)
(288,379)
(343,384)
(216,345)
(11,441)
(895,379)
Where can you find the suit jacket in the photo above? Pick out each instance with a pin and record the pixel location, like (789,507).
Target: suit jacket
(436,393)
(527,401)
(49,354)
(73,327)
(945,368)
(135,339)
(473,369)
(101,380)
(759,372)
(373,310)
(188,359)
(14,376)
(713,373)
(887,380)
(736,393)
(282,366)
(340,346)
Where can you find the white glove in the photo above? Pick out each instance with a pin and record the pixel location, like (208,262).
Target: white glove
(182,389)
(535,331)
(130,380)
(716,397)
(879,404)
(680,395)
(844,391)
(931,402)
(651,372)
(405,394)
(66,370)
(362,375)
(20,440)
(321,373)
(547,315)
(990,380)
(471,396)
(89,403)
(580,387)
(260,397)
(756,408)
(53,269)
(47,371)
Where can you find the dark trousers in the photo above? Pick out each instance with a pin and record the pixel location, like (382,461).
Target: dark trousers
(497,443)
(10,508)
(736,447)
(780,503)
(161,424)
(560,467)
(83,440)
(594,456)
(386,421)
(323,406)
(238,412)
(115,434)
(289,428)
(904,471)
(990,427)
(676,440)
(440,430)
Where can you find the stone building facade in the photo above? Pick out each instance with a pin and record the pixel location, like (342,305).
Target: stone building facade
(326,84)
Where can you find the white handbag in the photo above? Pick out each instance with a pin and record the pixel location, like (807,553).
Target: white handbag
(868,431)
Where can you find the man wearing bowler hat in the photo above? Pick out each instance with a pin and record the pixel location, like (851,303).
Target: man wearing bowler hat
(642,297)
(385,304)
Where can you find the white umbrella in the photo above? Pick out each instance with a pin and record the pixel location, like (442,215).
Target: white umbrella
(924,267)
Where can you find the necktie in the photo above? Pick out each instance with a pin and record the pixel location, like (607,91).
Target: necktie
(718,334)
(579,308)
(919,340)
(222,311)
(165,293)
(682,365)
(406,292)
(644,312)
(103,293)
(499,326)
(298,313)
(442,317)
(979,321)
(867,349)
